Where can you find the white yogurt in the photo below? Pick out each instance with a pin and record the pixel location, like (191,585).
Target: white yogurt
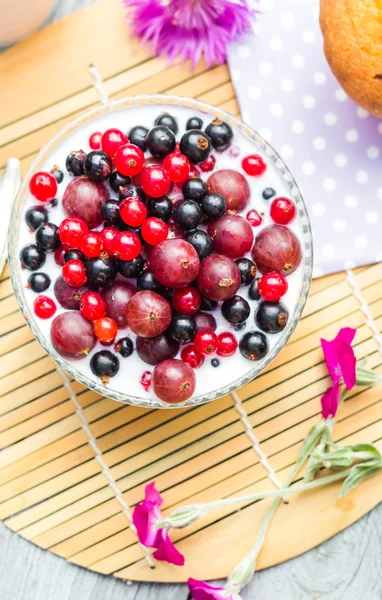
(208,378)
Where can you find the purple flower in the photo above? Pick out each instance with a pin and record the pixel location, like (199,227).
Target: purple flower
(145,518)
(188,29)
(341,362)
(201,590)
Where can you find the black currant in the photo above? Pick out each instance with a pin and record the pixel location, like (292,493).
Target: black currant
(194,123)
(268,193)
(104,364)
(117,180)
(32,257)
(57,174)
(38,282)
(130,190)
(54,202)
(110,212)
(187,214)
(47,237)
(146,281)
(215,362)
(213,206)
(253,291)
(74,254)
(137,135)
(194,189)
(131,268)
(101,271)
(75,162)
(36,216)
(167,121)
(201,241)
(271,317)
(207,304)
(247,270)
(160,141)
(196,145)
(182,328)
(98,165)
(236,310)
(220,134)
(124,346)
(253,345)
(161,208)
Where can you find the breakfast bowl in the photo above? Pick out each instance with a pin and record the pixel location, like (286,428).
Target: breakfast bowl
(197,299)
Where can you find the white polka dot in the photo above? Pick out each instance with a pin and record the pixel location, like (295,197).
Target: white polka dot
(349,264)
(373,152)
(287,20)
(330,119)
(319,78)
(378,257)
(276,109)
(339,225)
(298,61)
(266,133)
(318,209)
(286,151)
(329,184)
(298,126)
(265,68)
(362,113)
(341,95)
(255,92)
(379,128)
(308,168)
(319,143)
(351,135)
(308,102)
(350,201)
(340,160)
(361,241)
(317,271)
(309,37)
(244,51)
(372,217)
(329,250)
(235,74)
(276,44)
(362,176)
(287,85)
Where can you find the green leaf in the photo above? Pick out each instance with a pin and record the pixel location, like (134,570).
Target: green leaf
(359,473)
(323,430)
(368,450)
(344,457)
(366,376)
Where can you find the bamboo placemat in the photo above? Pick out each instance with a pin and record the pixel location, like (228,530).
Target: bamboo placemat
(60,493)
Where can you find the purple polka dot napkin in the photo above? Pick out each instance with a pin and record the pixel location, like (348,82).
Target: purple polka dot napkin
(287,92)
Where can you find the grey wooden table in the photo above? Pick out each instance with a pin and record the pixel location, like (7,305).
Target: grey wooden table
(347,567)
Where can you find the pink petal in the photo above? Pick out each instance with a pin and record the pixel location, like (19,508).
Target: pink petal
(166,550)
(347,362)
(146,516)
(329,400)
(339,356)
(201,590)
(152,494)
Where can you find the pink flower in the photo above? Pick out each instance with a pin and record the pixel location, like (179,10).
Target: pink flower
(189,28)
(145,518)
(201,590)
(341,362)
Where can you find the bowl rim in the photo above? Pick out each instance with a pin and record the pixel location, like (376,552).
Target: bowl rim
(307,249)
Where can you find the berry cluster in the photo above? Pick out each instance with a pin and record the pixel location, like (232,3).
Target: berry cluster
(149,245)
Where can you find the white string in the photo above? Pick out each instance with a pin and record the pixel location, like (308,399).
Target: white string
(365,309)
(105,469)
(98,84)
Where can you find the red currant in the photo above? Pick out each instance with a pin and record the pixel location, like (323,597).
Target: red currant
(154,231)
(107,236)
(282,211)
(254,218)
(74,273)
(155,181)
(43,186)
(91,244)
(146,380)
(105,329)
(208,165)
(72,231)
(133,212)
(191,356)
(59,254)
(44,307)
(129,160)
(253,165)
(126,245)
(194,171)
(178,166)
(272,286)
(95,140)
(186,301)
(206,342)
(92,307)
(227,344)
(111,140)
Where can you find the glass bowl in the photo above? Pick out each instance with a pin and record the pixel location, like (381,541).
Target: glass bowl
(146,400)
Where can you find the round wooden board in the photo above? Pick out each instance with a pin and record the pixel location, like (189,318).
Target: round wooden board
(52,489)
